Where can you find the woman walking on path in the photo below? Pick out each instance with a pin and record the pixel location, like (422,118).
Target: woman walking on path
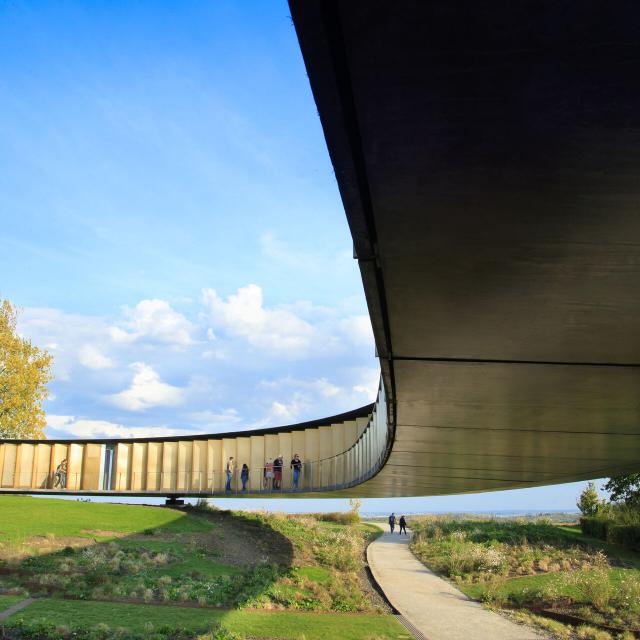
(244,476)
(392,522)
(403,526)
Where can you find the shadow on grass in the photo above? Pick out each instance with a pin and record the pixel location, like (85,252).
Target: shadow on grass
(205,558)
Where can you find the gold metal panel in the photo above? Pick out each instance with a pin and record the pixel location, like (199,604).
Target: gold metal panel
(154,466)
(214,465)
(9,466)
(185,463)
(139,456)
(199,467)
(169,465)
(91,466)
(123,466)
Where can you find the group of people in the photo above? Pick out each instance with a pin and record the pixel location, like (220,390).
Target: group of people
(271,474)
(402,522)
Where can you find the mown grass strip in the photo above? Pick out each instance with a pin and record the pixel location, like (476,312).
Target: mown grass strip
(9,601)
(276,624)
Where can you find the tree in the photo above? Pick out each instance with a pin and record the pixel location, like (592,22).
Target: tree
(624,488)
(589,502)
(25,371)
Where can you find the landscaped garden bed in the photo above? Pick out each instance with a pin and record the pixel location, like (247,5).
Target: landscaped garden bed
(537,568)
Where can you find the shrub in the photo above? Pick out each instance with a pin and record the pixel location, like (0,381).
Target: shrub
(595,526)
(625,535)
(339,517)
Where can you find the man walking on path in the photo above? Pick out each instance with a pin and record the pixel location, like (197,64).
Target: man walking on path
(230,469)
(392,522)
(403,526)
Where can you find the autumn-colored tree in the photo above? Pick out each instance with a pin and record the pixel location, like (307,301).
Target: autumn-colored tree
(24,372)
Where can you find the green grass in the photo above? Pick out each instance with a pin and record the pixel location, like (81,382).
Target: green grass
(24,517)
(278,624)
(8,601)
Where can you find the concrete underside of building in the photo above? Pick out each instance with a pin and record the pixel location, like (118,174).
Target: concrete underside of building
(488,158)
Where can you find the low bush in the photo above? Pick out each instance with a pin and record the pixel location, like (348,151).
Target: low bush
(339,517)
(625,535)
(595,526)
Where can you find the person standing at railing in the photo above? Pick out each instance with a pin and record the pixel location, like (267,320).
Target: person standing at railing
(230,469)
(278,463)
(60,476)
(268,474)
(296,466)
(244,476)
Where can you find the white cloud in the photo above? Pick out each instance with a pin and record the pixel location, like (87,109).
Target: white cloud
(153,320)
(358,330)
(274,329)
(81,428)
(367,385)
(147,391)
(92,358)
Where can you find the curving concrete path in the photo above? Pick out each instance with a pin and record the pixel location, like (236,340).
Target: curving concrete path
(434,606)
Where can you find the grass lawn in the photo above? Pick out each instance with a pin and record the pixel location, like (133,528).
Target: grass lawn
(8,601)
(277,624)
(24,517)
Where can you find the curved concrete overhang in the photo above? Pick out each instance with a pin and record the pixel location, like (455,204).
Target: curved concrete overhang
(488,159)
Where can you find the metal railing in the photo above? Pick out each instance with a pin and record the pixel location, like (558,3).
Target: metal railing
(346,469)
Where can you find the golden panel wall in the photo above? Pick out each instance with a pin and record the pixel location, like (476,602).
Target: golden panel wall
(42,463)
(123,467)
(256,477)
(214,465)
(169,465)
(199,467)
(139,456)
(154,466)
(312,454)
(285,448)
(185,462)
(24,465)
(91,467)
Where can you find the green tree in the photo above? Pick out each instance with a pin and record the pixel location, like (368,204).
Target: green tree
(589,502)
(25,371)
(624,488)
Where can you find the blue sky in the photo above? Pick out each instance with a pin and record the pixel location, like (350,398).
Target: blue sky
(172,229)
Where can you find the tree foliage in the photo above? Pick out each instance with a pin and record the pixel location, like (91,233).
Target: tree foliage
(589,502)
(25,371)
(624,488)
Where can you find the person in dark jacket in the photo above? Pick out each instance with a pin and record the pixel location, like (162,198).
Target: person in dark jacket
(278,463)
(296,466)
(392,522)
(244,476)
(403,526)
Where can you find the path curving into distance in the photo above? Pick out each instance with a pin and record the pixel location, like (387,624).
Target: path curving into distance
(432,605)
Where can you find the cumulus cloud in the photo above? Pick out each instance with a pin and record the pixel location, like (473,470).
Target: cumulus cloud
(275,329)
(147,391)
(358,330)
(153,320)
(92,358)
(81,428)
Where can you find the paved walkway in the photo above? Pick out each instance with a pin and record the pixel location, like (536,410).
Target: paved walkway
(15,608)
(431,604)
